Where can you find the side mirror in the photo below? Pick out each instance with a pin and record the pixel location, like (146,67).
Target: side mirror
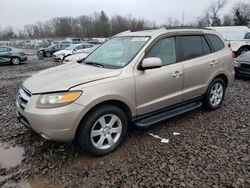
(151,63)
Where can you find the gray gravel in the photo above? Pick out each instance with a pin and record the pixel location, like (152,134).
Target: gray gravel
(212,149)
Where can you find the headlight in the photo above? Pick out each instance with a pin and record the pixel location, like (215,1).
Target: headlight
(53,100)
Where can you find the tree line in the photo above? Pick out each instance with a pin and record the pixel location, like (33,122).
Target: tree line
(100,25)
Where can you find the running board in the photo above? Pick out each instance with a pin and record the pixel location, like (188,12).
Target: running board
(144,122)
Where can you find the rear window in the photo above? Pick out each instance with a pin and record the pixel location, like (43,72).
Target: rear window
(216,42)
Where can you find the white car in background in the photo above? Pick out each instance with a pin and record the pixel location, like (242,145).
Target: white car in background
(72,49)
(79,56)
(237,37)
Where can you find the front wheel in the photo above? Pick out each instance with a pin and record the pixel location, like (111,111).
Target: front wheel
(215,94)
(103,130)
(15,61)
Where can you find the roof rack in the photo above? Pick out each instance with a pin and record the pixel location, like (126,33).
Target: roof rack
(185,27)
(124,32)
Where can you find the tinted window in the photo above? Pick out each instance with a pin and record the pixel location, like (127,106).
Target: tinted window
(3,49)
(206,48)
(247,36)
(165,50)
(191,47)
(216,42)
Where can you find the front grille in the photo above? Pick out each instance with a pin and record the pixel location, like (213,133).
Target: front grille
(23,97)
(247,66)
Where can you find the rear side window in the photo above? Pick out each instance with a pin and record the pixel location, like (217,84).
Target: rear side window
(247,36)
(191,47)
(216,42)
(206,48)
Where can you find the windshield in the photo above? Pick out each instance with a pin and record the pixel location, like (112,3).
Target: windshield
(71,47)
(117,52)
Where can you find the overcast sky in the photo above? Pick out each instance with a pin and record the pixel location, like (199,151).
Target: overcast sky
(20,12)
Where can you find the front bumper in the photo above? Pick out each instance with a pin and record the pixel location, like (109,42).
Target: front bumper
(57,124)
(24,58)
(58,58)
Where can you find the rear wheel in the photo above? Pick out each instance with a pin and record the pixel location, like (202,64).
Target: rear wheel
(215,94)
(15,61)
(103,130)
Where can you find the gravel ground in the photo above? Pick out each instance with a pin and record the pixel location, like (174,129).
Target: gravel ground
(212,149)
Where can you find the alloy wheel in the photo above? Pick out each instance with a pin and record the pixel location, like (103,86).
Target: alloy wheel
(216,94)
(106,131)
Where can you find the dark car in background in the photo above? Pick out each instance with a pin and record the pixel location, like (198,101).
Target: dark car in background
(242,64)
(12,55)
(47,52)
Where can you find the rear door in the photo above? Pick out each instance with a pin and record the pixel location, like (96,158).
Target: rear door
(199,64)
(160,87)
(5,54)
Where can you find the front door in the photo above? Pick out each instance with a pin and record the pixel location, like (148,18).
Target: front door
(160,87)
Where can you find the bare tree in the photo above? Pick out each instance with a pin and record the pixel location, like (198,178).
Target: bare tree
(227,20)
(172,22)
(213,9)
(203,21)
(241,13)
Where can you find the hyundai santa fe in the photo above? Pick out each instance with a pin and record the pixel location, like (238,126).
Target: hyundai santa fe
(133,79)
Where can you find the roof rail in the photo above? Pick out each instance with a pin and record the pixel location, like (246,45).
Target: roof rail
(185,27)
(124,32)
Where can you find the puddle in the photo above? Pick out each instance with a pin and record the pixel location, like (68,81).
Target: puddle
(10,156)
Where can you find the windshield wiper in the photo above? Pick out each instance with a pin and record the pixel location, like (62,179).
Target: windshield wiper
(94,64)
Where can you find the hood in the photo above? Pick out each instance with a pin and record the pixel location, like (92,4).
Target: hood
(245,57)
(64,77)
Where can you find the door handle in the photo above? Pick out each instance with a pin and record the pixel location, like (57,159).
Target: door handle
(213,63)
(177,74)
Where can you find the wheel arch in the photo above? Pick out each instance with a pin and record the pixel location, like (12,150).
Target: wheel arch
(120,104)
(244,46)
(223,77)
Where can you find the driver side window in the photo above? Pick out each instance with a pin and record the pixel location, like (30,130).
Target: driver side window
(165,50)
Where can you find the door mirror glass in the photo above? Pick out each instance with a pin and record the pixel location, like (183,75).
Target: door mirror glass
(151,63)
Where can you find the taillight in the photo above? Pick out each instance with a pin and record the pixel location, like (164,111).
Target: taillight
(229,44)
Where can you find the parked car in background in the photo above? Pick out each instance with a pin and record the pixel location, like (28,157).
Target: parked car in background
(12,55)
(76,58)
(48,52)
(92,41)
(72,49)
(55,42)
(237,37)
(242,64)
(135,78)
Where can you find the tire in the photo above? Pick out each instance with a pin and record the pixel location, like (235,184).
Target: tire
(96,137)
(215,94)
(48,54)
(242,50)
(15,61)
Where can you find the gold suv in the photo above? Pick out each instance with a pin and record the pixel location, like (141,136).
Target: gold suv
(134,79)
